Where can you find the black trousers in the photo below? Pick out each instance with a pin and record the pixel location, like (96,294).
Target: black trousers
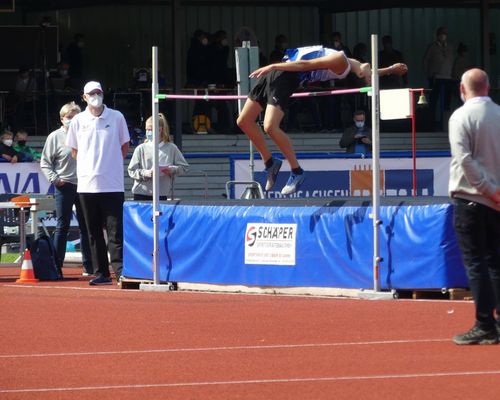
(478,234)
(104,211)
(440,95)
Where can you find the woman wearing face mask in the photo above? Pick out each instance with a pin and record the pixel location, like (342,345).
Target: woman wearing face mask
(356,138)
(170,160)
(59,167)
(6,150)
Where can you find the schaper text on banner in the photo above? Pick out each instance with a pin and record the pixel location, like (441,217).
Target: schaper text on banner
(272,244)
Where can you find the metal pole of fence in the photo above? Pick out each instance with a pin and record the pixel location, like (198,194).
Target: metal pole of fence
(156,178)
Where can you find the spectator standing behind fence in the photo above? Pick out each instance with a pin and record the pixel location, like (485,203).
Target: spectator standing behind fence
(475,187)
(357,138)
(280,45)
(332,106)
(197,64)
(218,55)
(438,63)
(29,153)
(7,152)
(59,167)
(462,62)
(170,159)
(75,59)
(25,98)
(386,57)
(99,141)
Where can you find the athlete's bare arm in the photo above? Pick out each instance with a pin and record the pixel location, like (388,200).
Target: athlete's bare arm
(336,62)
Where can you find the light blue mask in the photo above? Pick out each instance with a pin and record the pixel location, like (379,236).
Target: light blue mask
(149,135)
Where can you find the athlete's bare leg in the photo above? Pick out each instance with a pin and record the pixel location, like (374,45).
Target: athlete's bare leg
(272,120)
(247,123)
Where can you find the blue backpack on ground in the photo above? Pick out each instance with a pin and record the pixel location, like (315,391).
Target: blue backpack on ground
(43,257)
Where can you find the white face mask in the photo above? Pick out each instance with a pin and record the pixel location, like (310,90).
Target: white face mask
(7,142)
(95,100)
(66,122)
(359,124)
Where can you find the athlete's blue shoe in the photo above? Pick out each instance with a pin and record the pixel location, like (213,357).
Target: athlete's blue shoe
(272,173)
(294,182)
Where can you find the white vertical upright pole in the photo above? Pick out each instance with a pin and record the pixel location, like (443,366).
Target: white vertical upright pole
(156,180)
(375,162)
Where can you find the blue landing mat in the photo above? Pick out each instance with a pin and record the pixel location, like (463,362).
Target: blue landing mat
(294,244)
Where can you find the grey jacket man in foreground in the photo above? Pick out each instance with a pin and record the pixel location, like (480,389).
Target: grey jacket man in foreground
(474,133)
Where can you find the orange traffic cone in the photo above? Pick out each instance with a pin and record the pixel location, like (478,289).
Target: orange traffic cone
(27,273)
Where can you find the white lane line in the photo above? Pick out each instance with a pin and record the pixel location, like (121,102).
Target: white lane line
(224,348)
(220,293)
(256,381)
(99,288)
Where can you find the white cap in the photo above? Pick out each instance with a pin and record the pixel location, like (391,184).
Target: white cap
(90,86)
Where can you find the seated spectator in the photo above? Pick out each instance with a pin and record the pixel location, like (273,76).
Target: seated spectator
(357,138)
(28,153)
(6,150)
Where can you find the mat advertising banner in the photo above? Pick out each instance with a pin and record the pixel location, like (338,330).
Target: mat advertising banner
(270,244)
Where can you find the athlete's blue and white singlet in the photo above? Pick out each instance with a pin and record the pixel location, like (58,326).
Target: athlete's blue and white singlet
(310,53)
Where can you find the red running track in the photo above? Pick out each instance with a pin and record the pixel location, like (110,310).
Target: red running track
(66,340)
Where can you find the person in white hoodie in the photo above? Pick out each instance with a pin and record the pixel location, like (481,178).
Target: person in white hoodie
(475,187)
(170,159)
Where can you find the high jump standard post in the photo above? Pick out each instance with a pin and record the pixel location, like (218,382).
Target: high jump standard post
(156,179)
(376,292)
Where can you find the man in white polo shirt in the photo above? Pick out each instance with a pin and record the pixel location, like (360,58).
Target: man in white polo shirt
(99,141)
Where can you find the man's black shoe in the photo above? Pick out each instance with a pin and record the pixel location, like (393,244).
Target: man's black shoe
(477,336)
(100,280)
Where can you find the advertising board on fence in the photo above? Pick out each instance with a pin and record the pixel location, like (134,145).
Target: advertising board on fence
(23,178)
(26,178)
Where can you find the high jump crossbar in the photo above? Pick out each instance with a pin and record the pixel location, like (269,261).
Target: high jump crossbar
(207,97)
